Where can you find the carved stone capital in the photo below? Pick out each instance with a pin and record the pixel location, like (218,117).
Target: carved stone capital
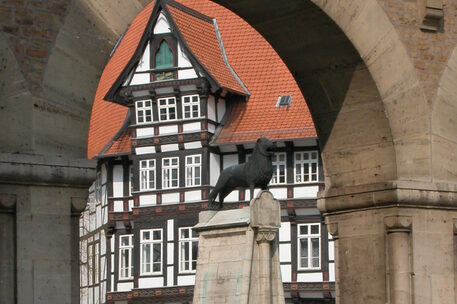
(7,202)
(78,204)
(332,228)
(265,236)
(398,223)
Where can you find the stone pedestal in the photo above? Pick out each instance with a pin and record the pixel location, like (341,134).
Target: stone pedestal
(238,258)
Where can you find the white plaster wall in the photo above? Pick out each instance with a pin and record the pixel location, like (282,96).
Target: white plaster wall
(191,196)
(310,277)
(144,132)
(173,129)
(306,192)
(145,150)
(186,280)
(285,253)
(211,108)
(192,127)
(170,255)
(170,275)
(104,174)
(286,273)
(118,181)
(118,206)
(331,272)
(170,198)
(170,230)
(214,168)
(183,59)
(211,128)
(331,251)
(127,286)
(170,147)
(162,26)
(220,109)
(187,74)
(150,282)
(230,160)
(193,145)
(284,232)
(148,200)
(232,197)
(279,193)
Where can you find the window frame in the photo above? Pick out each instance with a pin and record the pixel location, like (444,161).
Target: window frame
(190,104)
(183,241)
(308,163)
(147,170)
(150,243)
(155,47)
(128,248)
(308,237)
(170,168)
(193,168)
(167,108)
(276,172)
(143,109)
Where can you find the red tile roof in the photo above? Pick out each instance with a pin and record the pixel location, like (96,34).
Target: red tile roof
(252,58)
(200,36)
(107,118)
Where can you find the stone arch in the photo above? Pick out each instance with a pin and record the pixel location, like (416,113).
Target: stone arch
(369,29)
(444,125)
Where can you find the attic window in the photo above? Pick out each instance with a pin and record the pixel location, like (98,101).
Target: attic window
(163,62)
(284,101)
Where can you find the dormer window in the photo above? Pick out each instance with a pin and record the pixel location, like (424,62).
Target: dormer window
(163,62)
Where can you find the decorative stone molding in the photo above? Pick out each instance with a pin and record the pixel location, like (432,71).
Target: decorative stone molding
(332,228)
(7,202)
(433,15)
(78,204)
(398,223)
(265,235)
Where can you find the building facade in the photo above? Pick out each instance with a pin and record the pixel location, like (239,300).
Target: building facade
(182,98)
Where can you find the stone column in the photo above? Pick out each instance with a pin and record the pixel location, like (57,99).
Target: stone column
(7,249)
(264,239)
(78,204)
(398,248)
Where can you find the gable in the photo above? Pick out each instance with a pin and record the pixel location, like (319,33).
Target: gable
(170,50)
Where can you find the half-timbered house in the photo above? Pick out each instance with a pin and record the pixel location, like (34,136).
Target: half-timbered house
(187,91)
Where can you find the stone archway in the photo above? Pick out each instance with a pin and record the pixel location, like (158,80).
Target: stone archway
(392,214)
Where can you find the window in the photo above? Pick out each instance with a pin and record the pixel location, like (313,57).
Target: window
(309,245)
(170,171)
(143,111)
(191,106)
(279,169)
(147,174)
(284,101)
(188,248)
(163,60)
(151,251)
(125,256)
(306,167)
(167,109)
(193,170)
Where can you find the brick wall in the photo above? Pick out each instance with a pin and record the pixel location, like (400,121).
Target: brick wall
(31,27)
(429,51)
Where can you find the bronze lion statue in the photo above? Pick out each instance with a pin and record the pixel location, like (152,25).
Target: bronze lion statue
(256,173)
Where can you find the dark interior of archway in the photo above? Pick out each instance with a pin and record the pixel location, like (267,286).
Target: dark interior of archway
(314,48)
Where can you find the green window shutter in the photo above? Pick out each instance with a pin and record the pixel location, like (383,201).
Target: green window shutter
(163,57)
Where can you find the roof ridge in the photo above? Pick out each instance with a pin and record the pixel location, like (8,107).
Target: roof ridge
(189,10)
(227,63)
